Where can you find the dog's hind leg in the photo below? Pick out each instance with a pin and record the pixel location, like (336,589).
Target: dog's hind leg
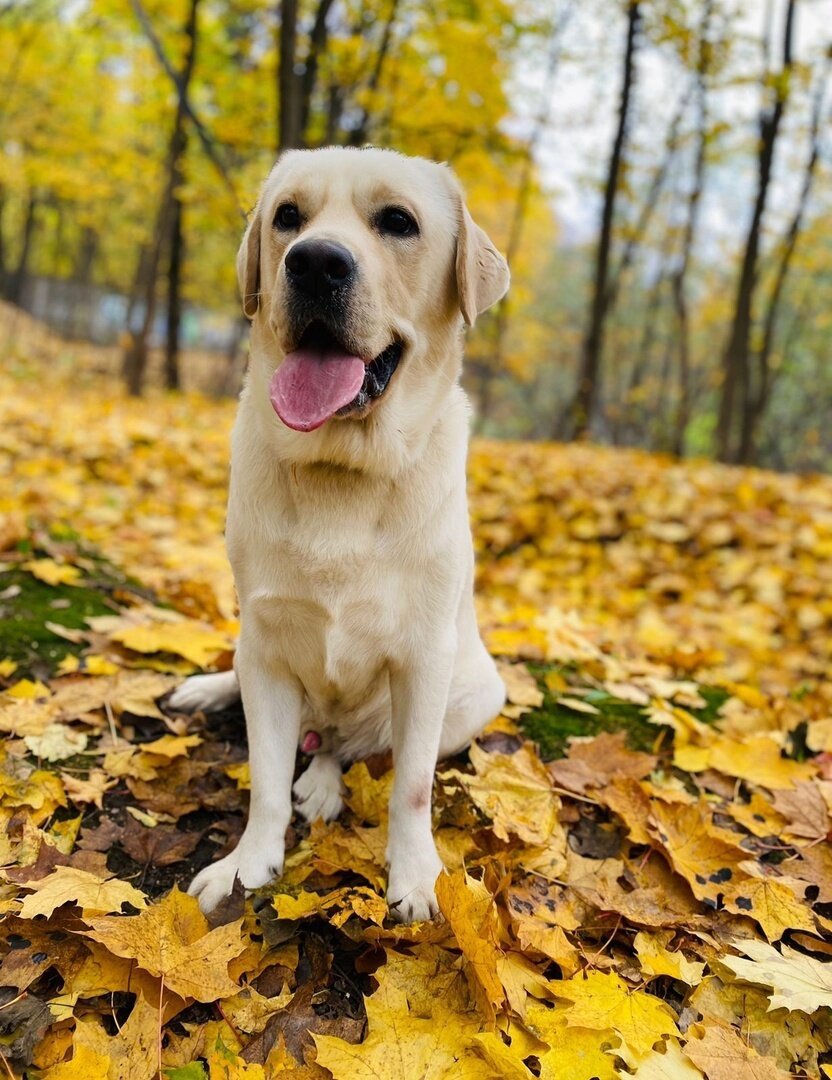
(319,791)
(206,693)
(477,696)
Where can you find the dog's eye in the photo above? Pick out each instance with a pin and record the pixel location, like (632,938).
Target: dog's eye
(287,216)
(397,222)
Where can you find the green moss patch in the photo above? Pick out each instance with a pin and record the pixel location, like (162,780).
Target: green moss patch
(28,604)
(552,725)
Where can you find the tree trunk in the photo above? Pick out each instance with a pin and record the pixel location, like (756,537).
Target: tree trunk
(2,242)
(134,363)
(309,79)
(590,367)
(174,312)
(288,84)
(87,249)
(635,240)
(736,373)
(334,112)
(759,401)
(679,278)
(17,278)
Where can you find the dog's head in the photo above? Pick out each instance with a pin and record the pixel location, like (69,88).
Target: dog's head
(357,267)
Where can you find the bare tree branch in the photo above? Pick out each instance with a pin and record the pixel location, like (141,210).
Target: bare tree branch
(209,144)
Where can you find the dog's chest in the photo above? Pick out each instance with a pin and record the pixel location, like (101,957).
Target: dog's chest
(331,592)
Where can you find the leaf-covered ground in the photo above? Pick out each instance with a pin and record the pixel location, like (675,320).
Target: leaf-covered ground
(640,878)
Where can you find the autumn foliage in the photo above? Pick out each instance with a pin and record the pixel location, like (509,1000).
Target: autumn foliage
(639,877)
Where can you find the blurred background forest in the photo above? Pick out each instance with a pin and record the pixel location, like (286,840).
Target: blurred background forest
(657,171)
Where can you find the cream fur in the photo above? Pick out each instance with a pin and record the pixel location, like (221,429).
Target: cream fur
(350,545)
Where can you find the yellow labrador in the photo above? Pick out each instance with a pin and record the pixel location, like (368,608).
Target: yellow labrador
(348,523)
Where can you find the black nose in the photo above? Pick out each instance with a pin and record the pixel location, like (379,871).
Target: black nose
(318,267)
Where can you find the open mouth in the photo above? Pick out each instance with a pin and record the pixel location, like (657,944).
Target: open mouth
(376,377)
(322,378)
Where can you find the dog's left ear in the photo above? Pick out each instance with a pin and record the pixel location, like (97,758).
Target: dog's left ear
(482,274)
(248,265)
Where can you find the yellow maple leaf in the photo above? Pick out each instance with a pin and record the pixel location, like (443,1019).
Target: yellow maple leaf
(171,939)
(39,790)
(400,1046)
(27,689)
(655,958)
(368,798)
(99,665)
(722,1054)
(190,639)
(89,789)
(249,1011)
(51,572)
(224,1063)
(171,746)
(136,692)
(240,774)
(301,906)
(472,915)
(785,1036)
(574,1052)
(603,1001)
(133,1051)
(516,793)
(7,667)
(27,717)
(68,884)
(771,903)
(707,857)
(85,1064)
(667,1063)
(756,758)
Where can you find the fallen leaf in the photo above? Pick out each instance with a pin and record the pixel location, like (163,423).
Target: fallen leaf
(771,903)
(574,1052)
(85,1064)
(132,1052)
(603,1002)
(171,940)
(68,884)
(655,958)
(797,981)
(722,1055)
(471,913)
(805,811)
(706,857)
(51,572)
(190,639)
(57,742)
(514,791)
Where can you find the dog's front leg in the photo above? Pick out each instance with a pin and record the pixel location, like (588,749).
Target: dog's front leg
(272,699)
(419,697)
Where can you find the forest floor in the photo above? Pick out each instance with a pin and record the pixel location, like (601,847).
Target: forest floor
(639,872)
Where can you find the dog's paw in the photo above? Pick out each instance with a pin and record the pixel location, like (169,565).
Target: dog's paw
(205,693)
(411,894)
(319,791)
(253,867)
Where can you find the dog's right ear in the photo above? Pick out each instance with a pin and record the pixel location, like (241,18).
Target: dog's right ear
(248,265)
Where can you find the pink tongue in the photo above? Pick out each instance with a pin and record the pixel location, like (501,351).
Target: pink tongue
(310,386)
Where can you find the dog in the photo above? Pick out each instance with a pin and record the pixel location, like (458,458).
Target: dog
(347,527)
